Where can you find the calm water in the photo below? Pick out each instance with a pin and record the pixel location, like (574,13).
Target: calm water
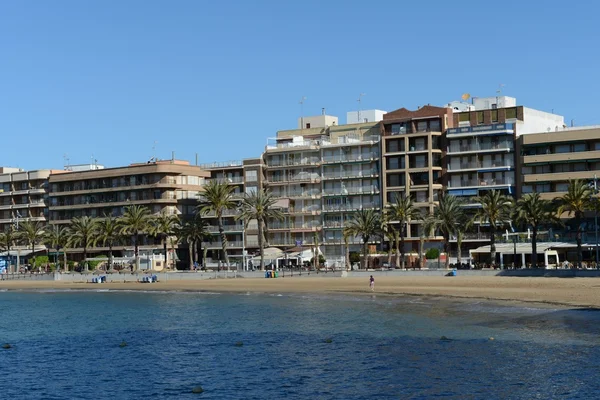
(66,346)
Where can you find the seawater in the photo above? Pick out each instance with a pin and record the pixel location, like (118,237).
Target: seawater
(66,346)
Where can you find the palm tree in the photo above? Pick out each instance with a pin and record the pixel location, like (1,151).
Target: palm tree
(259,206)
(464,223)
(31,232)
(367,224)
(402,212)
(57,237)
(217,197)
(108,232)
(82,234)
(575,202)
(134,222)
(496,211)
(7,239)
(163,226)
(192,232)
(446,218)
(534,212)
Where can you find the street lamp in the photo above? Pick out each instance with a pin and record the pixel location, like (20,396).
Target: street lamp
(596,214)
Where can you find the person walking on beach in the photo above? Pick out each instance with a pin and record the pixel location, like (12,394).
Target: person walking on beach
(372,283)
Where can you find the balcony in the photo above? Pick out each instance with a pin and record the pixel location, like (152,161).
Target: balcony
(217,245)
(226,213)
(231,180)
(226,228)
(276,163)
(334,159)
(491,129)
(350,207)
(473,237)
(312,193)
(481,182)
(282,242)
(312,210)
(350,174)
(303,177)
(503,145)
(475,165)
(351,191)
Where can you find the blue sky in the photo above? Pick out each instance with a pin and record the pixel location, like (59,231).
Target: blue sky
(109,78)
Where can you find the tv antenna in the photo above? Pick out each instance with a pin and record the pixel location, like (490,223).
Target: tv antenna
(66,160)
(302,100)
(360,96)
(153,159)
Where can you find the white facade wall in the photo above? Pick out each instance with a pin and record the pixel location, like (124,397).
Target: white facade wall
(352,117)
(535,121)
(485,103)
(319,121)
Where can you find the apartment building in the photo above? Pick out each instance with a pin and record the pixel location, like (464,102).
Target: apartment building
(480,149)
(323,173)
(169,186)
(412,161)
(244,177)
(23,195)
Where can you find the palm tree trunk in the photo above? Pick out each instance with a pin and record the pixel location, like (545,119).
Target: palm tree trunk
(166,252)
(110,256)
(347,253)
(534,247)
(191,254)
(397,250)
(390,248)
(223,240)
(402,248)
(579,251)
(447,250)
(66,265)
(84,257)
(459,238)
(365,255)
(136,251)
(260,245)
(492,245)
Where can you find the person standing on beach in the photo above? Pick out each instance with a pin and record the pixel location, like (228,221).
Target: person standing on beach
(372,283)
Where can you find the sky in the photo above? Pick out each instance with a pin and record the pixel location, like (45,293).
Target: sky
(121,81)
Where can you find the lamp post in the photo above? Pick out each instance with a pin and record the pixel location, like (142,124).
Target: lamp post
(345,197)
(596,214)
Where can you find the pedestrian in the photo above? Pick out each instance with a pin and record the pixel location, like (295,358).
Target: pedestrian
(372,283)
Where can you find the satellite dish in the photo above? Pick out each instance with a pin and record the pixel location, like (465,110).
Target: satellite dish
(465,96)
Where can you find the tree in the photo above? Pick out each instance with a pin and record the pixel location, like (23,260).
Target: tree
(402,211)
(367,224)
(260,206)
(576,202)
(108,232)
(532,211)
(134,222)
(217,197)
(163,226)
(82,234)
(496,211)
(446,218)
(464,223)
(7,240)
(31,232)
(192,232)
(57,238)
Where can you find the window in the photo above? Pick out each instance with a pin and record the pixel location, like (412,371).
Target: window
(398,129)
(422,126)
(542,169)
(579,147)
(563,148)
(511,113)
(434,125)
(578,167)
(251,176)
(527,189)
(308,125)
(395,180)
(562,187)
(251,189)
(480,117)
(494,115)
(464,117)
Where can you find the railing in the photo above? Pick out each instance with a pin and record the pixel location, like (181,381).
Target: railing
(349,158)
(213,245)
(415,147)
(350,190)
(233,179)
(502,145)
(480,128)
(349,174)
(481,182)
(299,177)
(350,207)
(226,228)
(418,165)
(292,163)
(224,164)
(476,165)
(226,213)
(108,184)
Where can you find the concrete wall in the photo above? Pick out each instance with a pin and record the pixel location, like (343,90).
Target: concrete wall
(369,115)
(535,121)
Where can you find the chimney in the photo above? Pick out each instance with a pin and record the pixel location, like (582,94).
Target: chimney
(323,111)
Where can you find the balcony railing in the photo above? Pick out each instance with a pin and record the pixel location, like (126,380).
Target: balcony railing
(350,190)
(217,245)
(350,207)
(349,174)
(226,228)
(481,182)
(293,163)
(454,166)
(224,164)
(294,178)
(226,213)
(484,146)
(226,179)
(480,129)
(350,158)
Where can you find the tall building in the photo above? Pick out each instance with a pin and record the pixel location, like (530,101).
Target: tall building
(23,196)
(480,150)
(322,174)
(170,186)
(412,163)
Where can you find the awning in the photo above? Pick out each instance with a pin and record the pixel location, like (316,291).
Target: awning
(524,248)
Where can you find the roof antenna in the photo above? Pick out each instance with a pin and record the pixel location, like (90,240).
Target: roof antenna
(66,159)
(360,96)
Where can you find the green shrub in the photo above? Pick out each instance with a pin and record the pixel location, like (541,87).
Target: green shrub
(354,257)
(432,254)
(39,261)
(92,265)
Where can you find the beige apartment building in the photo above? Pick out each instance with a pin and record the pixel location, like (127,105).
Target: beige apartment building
(170,186)
(23,196)
(413,161)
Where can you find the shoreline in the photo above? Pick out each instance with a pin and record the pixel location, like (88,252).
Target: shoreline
(566,292)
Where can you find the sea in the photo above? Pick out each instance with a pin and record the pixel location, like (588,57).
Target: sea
(162,345)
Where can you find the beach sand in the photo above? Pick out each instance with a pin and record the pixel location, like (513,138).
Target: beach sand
(579,292)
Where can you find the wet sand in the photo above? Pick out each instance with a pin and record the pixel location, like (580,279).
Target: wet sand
(580,292)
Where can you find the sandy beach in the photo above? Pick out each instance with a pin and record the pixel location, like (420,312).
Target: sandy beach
(580,292)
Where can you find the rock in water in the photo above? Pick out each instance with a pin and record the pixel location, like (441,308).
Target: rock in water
(197,389)
(239,344)
(491,338)
(123,344)
(444,338)
(328,340)
(6,346)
